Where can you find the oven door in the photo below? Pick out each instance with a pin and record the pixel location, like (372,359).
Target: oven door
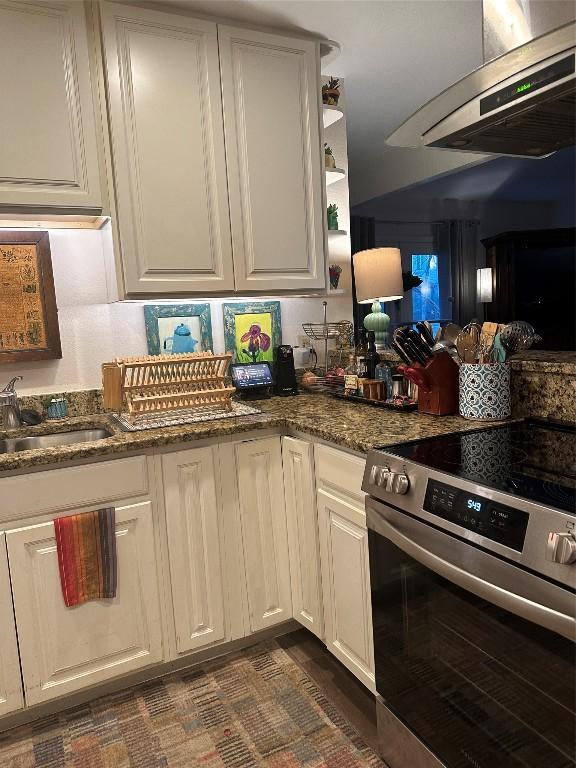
(473,655)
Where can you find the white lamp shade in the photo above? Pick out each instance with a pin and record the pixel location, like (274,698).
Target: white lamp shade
(378,275)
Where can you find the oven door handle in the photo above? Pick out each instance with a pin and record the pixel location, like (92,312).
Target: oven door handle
(538,614)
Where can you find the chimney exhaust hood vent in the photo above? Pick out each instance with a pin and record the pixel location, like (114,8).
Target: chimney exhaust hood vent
(522,103)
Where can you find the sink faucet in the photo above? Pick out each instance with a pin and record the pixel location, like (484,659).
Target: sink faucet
(9,408)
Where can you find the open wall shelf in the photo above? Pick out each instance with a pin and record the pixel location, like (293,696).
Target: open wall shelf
(334,174)
(331,114)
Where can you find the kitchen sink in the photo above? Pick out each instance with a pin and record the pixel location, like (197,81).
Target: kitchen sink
(15,444)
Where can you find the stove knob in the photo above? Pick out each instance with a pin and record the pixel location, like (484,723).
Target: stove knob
(561,548)
(383,478)
(400,484)
(379,476)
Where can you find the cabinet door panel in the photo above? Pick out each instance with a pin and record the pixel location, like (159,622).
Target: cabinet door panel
(66,649)
(48,151)
(195,542)
(302,519)
(271,120)
(264,535)
(346,585)
(10,683)
(168,151)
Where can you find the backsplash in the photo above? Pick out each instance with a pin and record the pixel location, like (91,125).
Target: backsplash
(95,329)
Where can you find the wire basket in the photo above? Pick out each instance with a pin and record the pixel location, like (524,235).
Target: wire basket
(340,330)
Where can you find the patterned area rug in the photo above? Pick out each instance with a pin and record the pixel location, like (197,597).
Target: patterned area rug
(252,708)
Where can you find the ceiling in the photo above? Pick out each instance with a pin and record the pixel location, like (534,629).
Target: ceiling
(395,55)
(548,184)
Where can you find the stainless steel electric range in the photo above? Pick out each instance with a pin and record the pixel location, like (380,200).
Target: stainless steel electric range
(472,541)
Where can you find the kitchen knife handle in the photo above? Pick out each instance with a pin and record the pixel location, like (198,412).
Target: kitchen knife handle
(425,333)
(419,343)
(401,353)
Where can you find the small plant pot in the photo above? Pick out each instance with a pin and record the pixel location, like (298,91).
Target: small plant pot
(330,96)
(329,161)
(485,391)
(335,270)
(333,221)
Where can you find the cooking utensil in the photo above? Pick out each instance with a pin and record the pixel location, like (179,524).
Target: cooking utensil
(487,334)
(468,343)
(425,334)
(498,351)
(421,345)
(416,355)
(450,332)
(518,335)
(416,376)
(400,351)
(414,352)
(446,346)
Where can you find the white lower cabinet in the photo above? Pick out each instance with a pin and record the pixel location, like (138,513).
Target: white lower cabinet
(10,683)
(264,535)
(346,584)
(65,649)
(196,548)
(302,519)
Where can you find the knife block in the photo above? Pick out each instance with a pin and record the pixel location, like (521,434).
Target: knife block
(441,373)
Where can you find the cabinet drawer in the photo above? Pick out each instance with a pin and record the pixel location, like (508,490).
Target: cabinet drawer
(340,470)
(64,489)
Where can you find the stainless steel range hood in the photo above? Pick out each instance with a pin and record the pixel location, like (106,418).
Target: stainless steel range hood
(521,103)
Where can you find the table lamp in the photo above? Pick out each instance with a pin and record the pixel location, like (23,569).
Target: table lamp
(378,277)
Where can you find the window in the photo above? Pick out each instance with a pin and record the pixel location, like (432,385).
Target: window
(426,296)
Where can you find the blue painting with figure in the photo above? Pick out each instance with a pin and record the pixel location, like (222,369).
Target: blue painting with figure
(178,328)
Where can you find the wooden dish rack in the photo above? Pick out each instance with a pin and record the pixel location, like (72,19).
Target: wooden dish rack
(155,384)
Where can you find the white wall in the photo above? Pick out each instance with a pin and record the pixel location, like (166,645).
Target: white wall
(93,331)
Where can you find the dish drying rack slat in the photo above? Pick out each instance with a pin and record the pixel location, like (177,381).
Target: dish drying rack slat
(157,383)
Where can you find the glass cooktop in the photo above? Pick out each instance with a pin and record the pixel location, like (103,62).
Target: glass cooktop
(533,459)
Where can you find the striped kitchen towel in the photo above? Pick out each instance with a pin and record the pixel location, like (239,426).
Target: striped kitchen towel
(86,546)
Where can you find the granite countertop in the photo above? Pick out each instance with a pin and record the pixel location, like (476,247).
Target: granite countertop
(354,426)
(543,361)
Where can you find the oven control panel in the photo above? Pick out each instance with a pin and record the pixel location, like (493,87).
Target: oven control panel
(488,518)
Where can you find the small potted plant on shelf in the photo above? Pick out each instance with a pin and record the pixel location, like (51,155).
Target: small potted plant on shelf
(329,161)
(332,213)
(335,270)
(331,92)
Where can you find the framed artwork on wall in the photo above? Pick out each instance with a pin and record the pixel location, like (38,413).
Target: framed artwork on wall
(28,313)
(178,328)
(252,330)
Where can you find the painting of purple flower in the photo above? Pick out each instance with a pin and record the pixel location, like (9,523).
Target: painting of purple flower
(258,342)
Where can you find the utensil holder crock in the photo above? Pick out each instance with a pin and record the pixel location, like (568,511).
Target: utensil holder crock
(485,391)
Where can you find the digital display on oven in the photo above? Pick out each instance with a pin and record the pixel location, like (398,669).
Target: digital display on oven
(488,518)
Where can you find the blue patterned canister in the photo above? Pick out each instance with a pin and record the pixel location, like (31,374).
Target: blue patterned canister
(485,391)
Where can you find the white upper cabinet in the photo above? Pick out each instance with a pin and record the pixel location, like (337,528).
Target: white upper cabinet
(273,146)
(48,155)
(163,81)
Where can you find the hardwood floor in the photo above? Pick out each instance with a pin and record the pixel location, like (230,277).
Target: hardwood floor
(353,700)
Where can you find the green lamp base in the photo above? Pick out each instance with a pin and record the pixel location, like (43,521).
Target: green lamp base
(379,322)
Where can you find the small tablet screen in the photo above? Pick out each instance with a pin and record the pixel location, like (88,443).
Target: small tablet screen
(252,375)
